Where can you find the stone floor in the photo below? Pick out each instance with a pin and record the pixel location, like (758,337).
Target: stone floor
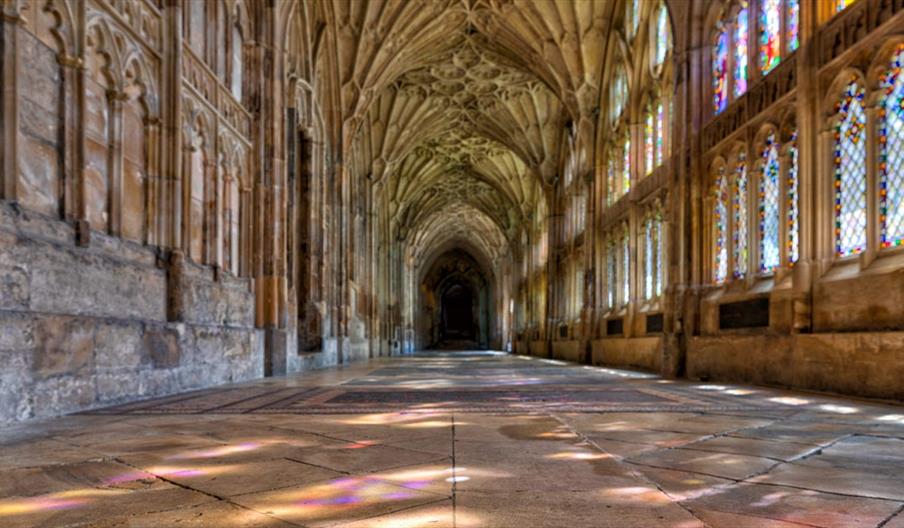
(465,440)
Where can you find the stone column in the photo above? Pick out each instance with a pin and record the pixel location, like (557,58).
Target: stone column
(810,166)
(10,20)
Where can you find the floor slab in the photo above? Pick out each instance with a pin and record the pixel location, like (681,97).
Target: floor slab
(459,440)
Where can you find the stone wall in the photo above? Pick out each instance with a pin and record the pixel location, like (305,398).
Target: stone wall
(88,326)
(858,363)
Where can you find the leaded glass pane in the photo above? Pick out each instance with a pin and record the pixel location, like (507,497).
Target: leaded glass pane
(793,202)
(612,178)
(626,166)
(770,34)
(891,152)
(793,24)
(611,271)
(739,201)
(626,269)
(740,51)
(648,259)
(769,207)
(619,94)
(657,270)
(720,71)
(660,133)
(649,143)
(840,5)
(720,223)
(632,17)
(850,172)
(663,36)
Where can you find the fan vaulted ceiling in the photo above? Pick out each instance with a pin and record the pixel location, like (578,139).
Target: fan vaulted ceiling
(458,110)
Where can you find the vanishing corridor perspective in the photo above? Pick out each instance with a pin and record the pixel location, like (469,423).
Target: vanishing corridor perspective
(452,263)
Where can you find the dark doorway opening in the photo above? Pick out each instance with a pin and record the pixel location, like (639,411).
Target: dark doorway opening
(459,323)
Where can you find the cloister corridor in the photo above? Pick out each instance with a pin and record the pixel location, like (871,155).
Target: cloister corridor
(466,439)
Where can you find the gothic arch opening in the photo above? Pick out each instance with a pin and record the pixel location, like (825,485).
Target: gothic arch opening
(456,304)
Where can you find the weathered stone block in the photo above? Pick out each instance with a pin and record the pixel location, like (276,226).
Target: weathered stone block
(14,287)
(118,346)
(65,346)
(62,394)
(162,348)
(17,331)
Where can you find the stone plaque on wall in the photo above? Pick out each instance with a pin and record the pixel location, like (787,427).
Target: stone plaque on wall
(744,314)
(615,327)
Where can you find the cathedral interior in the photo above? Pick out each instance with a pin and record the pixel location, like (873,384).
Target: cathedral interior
(452,263)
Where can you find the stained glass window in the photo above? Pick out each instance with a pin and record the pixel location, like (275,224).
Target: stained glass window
(632,17)
(770,34)
(720,224)
(720,70)
(840,5)
(793,187)
(619,94)
(653,256)
(626,166)
(740,51)
(660,133)
(850,172)
(739,202)
(648,259)
(663,36)
(649,141)
(626,268)
(659,249)
(792,24)
(891,154)
(611,272)
(769,206)
(612,178)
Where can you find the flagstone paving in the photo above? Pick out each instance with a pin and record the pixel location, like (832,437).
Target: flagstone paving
(462,440)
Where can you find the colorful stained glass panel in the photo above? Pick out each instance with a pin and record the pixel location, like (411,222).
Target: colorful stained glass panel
(663,36)
(720,224)
(626,167)
(739,202)
(720,71)
(769,207)
(793,24)
(793,186)
(660,133)
(649,141)
(850,172)
(891,154)
(740,51)
(770,34)
(626,269)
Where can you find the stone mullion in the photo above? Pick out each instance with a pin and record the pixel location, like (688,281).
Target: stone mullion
(173,174)
(183,191)
(154,198)
(219,188)
(209,222)
(73,138)
(115,162)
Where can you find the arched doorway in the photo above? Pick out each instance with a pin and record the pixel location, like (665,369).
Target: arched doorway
(458,321)
(457,302)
